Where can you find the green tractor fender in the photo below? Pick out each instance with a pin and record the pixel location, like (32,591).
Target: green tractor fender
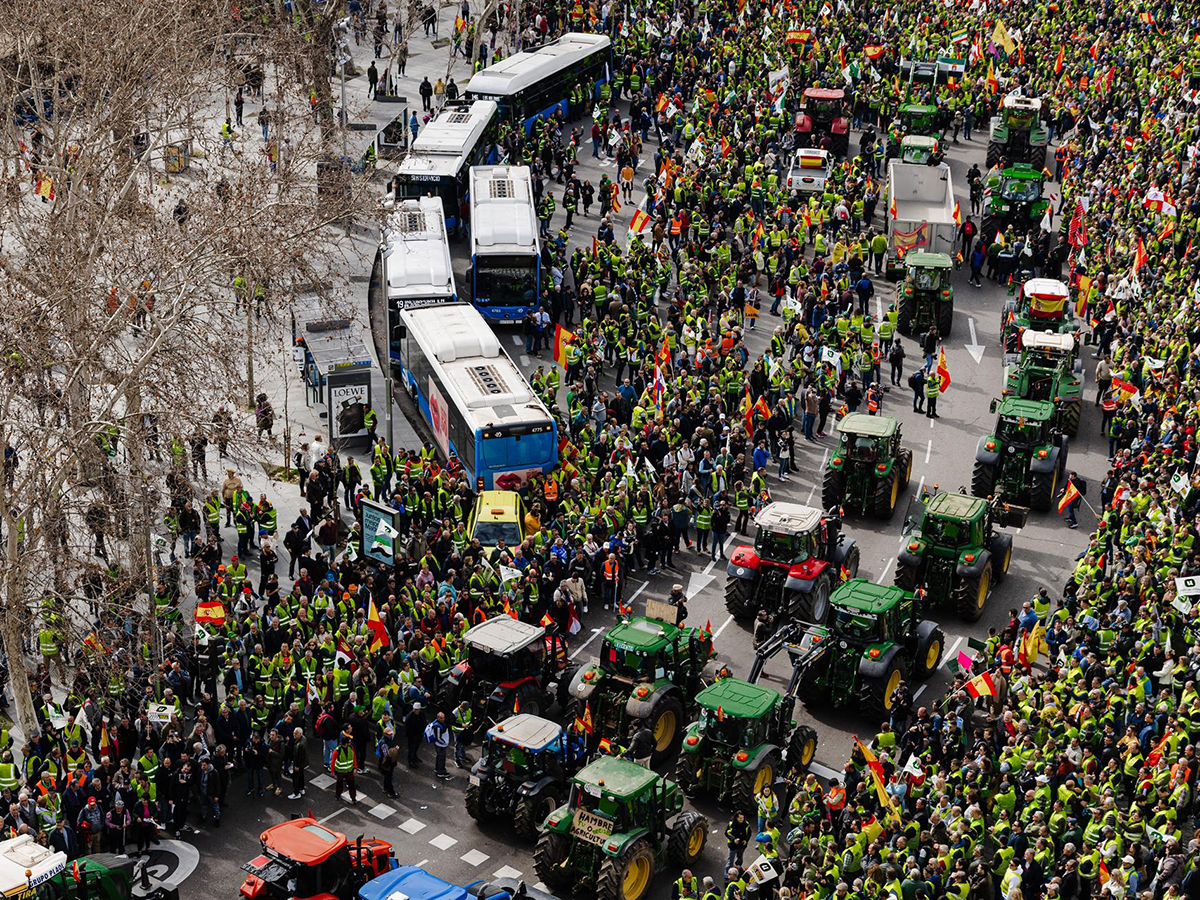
(645,697)
(1043,459)
(533,787)
(999,130)
(972,566)
(559,821)
(875,666)
(987,451)
(837,459)
(884,470)
(585,682)
(693,740)
(750,758)
(911,552)
(1070,389)
(1039,136)
(616,843)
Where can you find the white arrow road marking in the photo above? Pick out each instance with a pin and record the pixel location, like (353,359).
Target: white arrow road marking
(974,348)
(698,581)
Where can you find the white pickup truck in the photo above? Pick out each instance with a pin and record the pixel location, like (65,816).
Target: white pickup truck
(808,171)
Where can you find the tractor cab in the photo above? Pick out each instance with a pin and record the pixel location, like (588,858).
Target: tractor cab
(1019,188)
(301,858)
(862,617)
(1046,298)
(1021,112)
(954,520)
(524,748)
(736,713)
(920,150)
(1047,350)
(618,796)
(787,537)
(642,649)
(823,105)
(1023,423)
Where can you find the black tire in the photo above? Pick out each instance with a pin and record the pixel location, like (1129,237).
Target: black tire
(688,836)
(970,594)
(476,805)
(983,479)
(877,699)
(929,654)
(739,598)
(748,782)
(551,852)
(904,459)
(905,315)
(813,607)
(686,772)
(840,145)
(1071,414)
(907,577)
(994,152)
(1037,157)
(852,562)
(886,496)
(531,812)
(802,747)
(610,880)
(1042,487)
(528,698)
(987,231)
(945,317)
(1001,551)
(667,715)
(833,488)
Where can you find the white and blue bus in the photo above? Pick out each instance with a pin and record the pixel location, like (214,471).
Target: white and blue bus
(537,82)
(505,273)
(415,252)
(460,136)
(479,406)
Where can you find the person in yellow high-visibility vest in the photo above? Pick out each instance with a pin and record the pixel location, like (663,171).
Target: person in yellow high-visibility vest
(342,765)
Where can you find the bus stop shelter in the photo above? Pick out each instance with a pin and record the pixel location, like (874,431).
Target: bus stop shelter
(336,367)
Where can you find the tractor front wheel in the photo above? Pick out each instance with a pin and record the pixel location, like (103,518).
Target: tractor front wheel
(906,314)
(887,495)
(749,781)
(907,576)
(878,694)
(971,594)
(833,488)
(904,460)
(550,859)
(1071,418)
(983,479)
(929,653)
(628,876)
(991,224)
(945,317)
(688,835)
(476,808)
(813,607)
(1001,551)
(688,769)
(851,561)
(739,598)
(666,723)
(994,152)
(531,812)
(1042,487)
(1037,157)
(802,747)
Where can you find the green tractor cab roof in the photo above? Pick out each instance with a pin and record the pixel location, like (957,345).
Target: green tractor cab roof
(867,597)
(1033,410)
(643,634)
(622,778)
(919,142)
(1023,171)
(738,699)
(945,505)
(533,733)
(863,425)
(923,259)
(918,109)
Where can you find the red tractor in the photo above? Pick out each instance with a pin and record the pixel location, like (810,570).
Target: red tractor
(301,859)
(511,667)
(798,558)
(823,113)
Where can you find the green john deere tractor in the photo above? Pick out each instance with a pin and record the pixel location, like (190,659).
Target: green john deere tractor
(1015,199)
(953,553)
(875,638)
(522,773)
(926,297)
(739,742)
(921,150)
(868,469)
(911,118)
(620,826)
(649,673)
(1049,369)
(1018,135)
(1025,457)
(1041,303)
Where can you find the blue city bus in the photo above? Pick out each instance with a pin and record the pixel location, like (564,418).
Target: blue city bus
(474,398)
(506,255)
(537,82)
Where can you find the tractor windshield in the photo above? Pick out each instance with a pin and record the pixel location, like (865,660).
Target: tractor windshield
(926,279)
(1019,431)
(947,532)
(487,666)
(1021,190)
(823,109)
(719,727)
(863,449)
(508,758)
(854,625)
(625,663)
(592,799)
(916,155)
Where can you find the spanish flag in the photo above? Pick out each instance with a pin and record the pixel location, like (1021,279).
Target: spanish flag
(562,337)
(211,611)
(992,83)
(957,213)
(640,220)
(379,635)
(1157,752)
(982,686)
(1069,495)
(585,723)
(876,768)
(943,371)
(1058,63)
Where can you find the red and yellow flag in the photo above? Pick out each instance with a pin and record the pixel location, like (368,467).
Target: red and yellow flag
(562,337)
(379,635)
(943,371)
(982,685)
(1069,495)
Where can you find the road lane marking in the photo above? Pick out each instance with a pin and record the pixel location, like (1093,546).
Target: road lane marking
(950,652)
(920,691)
(808,501)
(443,841)
(579,649)
(724,624)
(823,771)
(883,574)
(920,485)
(517,339)
(928,450)
(710,565)
(412,826)
(336,812)
(421,863)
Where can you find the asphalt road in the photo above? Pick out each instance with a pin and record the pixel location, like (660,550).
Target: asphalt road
(428,825)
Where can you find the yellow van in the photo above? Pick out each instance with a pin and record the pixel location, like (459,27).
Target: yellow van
(498,515)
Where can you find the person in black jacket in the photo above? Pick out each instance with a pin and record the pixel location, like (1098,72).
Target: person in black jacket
(737,836)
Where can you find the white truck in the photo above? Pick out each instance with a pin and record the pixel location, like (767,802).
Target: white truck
(919,212)
(809,170)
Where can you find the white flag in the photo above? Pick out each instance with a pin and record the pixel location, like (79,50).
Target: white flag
(508,574)
(1047,225)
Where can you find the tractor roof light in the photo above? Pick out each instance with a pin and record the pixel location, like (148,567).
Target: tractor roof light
(873,653)
(742,756)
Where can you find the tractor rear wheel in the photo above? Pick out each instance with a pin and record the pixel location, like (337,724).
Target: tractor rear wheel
(628,876)
(983,479)
(904,460)
(532,811)
(994,152)
(1042,487)
(945,317)
(666,722)
(929,654)
(688,835)
(1071,418)
(971,594)
(476,808)
(739,598)
(991,224)
(833,488)
(749,781)
(907,576)
(886,495)
(528,698)
(1001,551)
(550,857)
(813,607)
(840,145)
(878,694)
(802,747)
(906,314)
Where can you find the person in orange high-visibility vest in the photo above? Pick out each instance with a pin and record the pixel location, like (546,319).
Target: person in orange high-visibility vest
(835,798)
(612,579)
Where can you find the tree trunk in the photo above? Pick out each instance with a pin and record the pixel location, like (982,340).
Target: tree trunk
(13,628)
